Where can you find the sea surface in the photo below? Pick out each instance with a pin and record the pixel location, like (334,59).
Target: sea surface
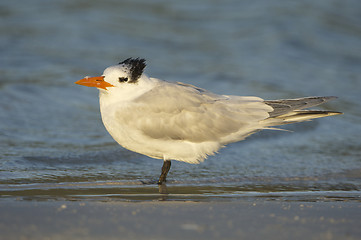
(53,145)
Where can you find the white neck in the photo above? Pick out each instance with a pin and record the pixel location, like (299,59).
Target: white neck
(117,95)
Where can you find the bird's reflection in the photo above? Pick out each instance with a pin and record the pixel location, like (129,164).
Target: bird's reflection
(163,190)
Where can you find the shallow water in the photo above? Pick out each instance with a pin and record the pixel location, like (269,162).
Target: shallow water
(54,146)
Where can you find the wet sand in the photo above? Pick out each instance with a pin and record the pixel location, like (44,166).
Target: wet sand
(179,220)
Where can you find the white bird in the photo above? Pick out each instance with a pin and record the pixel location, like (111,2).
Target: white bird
(177,121)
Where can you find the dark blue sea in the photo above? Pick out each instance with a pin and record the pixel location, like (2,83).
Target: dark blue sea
(53,144)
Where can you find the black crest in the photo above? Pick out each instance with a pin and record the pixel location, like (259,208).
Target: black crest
(135,67)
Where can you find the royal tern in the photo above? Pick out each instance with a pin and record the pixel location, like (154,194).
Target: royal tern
(178,121)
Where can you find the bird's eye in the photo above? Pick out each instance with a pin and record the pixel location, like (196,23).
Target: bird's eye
(123,79)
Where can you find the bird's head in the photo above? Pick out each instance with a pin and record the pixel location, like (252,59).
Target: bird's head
(127,72)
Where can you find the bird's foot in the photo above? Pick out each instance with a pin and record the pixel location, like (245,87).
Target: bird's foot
(161,182)
(150,182)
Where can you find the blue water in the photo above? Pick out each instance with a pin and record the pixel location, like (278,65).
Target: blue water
(53,143)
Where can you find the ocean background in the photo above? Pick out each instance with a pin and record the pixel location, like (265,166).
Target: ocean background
(53,144)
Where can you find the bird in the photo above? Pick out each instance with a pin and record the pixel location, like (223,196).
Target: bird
(178,121)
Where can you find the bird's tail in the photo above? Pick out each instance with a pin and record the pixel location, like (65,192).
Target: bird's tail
(288,111)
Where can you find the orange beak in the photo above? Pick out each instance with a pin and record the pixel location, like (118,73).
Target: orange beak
(94,82)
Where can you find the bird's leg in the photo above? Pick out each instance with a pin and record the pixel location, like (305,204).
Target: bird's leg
(165,170)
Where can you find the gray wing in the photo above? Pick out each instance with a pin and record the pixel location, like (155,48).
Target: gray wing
(284,106)
(183,112)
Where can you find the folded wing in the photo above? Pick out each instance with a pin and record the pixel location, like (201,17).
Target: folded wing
(184,112)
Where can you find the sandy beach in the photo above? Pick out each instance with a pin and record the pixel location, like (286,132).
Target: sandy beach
(62,176)
(179,220)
